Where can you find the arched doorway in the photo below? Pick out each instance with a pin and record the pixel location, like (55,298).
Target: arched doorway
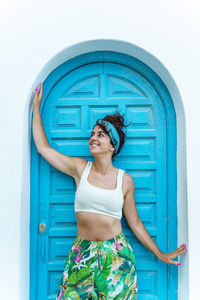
(76,94)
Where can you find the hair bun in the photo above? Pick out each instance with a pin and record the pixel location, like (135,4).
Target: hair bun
(117,120)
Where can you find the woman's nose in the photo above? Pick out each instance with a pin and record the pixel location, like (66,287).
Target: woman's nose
(93,137)
(93,140)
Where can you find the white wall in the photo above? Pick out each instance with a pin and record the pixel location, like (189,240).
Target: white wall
(32,32)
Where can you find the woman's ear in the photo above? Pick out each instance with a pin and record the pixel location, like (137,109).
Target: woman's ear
(112,148)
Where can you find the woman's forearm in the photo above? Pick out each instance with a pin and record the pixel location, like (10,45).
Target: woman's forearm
(38,130)
(143,236)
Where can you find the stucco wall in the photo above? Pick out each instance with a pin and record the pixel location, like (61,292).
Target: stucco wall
(32,33)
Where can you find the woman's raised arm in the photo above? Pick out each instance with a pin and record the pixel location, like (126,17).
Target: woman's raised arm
(64,163)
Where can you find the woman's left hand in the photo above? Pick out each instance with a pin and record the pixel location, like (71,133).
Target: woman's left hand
(168,257)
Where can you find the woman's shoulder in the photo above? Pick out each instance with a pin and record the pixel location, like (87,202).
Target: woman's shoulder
(128,183)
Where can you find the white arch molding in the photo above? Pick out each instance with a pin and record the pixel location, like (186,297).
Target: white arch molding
(182,208)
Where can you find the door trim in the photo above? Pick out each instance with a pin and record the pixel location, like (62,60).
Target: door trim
(161,76)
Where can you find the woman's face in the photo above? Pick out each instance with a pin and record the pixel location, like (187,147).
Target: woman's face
(99,141)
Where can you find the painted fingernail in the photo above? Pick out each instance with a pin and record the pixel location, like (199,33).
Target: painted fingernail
(179,263)
(36,90)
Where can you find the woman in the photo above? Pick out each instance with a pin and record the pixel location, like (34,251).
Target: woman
(101,263)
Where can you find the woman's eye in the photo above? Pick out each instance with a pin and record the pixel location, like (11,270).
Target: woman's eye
(99,134)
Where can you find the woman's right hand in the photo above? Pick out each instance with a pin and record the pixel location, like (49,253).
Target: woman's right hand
(38,97)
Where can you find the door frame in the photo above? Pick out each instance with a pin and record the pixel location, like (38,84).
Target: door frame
(161,76)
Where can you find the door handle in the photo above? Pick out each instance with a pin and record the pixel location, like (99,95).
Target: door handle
(42,227)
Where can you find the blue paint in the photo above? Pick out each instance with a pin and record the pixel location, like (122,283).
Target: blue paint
(77,93)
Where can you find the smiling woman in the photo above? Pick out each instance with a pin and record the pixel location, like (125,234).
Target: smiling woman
(104,253)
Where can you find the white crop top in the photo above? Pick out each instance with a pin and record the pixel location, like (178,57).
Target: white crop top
(94,199)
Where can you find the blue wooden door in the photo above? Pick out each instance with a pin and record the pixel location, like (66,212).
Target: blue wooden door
(75,96)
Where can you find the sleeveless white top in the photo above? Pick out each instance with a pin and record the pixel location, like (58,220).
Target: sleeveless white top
(94,199)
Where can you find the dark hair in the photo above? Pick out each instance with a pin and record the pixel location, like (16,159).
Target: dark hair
(117,121)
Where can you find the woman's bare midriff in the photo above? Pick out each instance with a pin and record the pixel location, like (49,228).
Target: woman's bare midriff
(97,227)
(93,226)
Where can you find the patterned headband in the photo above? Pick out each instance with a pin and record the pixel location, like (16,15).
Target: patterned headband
(112,133)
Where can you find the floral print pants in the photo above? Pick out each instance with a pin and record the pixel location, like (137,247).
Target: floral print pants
(99,270)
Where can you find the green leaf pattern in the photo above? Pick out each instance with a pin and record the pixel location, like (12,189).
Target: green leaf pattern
(99,270)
